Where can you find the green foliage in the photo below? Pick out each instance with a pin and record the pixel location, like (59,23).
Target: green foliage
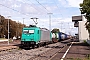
(15,28)
(55,30)
(88,56)
(85,43)
(85,9)
(74,59)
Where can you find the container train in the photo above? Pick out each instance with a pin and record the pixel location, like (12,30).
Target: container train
(60,36)
(35,36)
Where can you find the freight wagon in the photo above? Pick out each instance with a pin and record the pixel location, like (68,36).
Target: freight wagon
(35,36)
(62,36)
(55,37)
(59,36)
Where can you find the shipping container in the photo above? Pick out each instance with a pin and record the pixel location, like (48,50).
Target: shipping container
(62,36)
(55,37)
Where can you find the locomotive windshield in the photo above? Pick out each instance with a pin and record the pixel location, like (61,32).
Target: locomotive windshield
(31,31)
(25,31)
(28,31)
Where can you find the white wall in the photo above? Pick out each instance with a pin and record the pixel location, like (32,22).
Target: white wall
(83,33)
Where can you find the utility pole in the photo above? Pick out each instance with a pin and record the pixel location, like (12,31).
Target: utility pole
(23,22)
(8,29)
(61,25)
(50,21)
(35,21)
(69,29)
(0,19)
(18,30)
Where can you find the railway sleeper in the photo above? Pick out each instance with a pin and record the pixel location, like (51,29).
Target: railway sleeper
(7,48)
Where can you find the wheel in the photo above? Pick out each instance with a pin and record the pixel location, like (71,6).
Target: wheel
(38,45)
(21,46)
(33,46)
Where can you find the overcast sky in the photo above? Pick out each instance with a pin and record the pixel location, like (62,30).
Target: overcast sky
(61,17)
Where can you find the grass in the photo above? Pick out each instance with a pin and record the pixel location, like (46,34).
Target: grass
(73,59)
(78,58)
(19,48)
(86,58)
(86,43)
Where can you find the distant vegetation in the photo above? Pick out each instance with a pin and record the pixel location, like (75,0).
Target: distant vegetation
(86,58)
(55,30)
(15,28)
(85,42)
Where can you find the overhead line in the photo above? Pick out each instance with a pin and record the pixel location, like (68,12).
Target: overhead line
(12,9)
(34,5)
(30,5)
(45,8)
(58,7)
(42,5)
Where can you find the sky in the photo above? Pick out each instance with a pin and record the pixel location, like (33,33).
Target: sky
(60,13)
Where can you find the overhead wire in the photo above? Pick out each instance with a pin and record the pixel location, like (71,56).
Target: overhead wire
(36,8)
(42,6)
(13,9)
(17,10)
(32,5)
(57,7)
(28,4)
(48,10)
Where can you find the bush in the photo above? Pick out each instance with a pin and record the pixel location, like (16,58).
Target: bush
(85,42)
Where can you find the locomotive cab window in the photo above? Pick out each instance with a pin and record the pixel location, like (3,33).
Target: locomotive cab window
(31,31)
(25,31)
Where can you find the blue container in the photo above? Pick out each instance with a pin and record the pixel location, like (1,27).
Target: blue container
(62,36)
(59,36)
(65,36)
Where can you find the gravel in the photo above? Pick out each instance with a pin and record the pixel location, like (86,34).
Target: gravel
(28,54)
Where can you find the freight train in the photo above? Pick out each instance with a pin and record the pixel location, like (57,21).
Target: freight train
(60,36)
(35,36)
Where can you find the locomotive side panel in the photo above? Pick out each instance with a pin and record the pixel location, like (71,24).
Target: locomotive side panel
(45,35)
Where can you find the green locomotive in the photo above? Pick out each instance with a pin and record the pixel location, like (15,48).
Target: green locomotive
(35,36)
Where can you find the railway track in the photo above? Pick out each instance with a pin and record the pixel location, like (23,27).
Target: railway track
(52,49)
(28,54)
(47,52)
(54,52)
(6,48)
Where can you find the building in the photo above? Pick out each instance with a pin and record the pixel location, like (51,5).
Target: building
(79,21)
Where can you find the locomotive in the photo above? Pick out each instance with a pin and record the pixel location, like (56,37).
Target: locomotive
(35,36)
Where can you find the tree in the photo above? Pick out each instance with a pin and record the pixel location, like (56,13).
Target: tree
(15,28)
(55,30)
(85,9)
